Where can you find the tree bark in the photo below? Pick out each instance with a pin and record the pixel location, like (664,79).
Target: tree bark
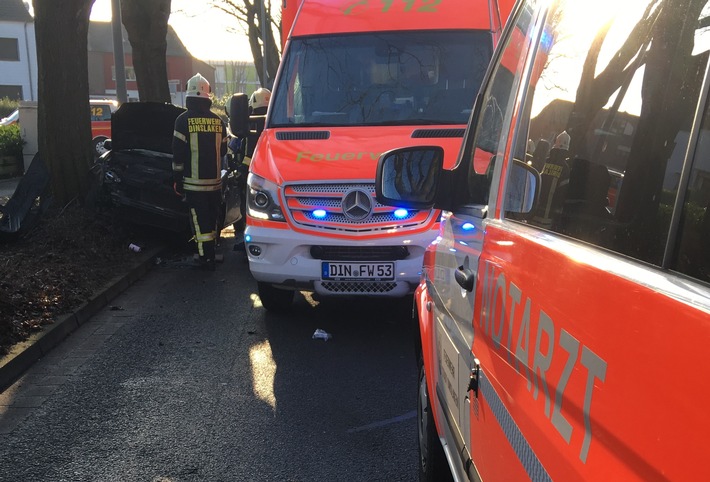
(63,116)
(271,47)
(146,22)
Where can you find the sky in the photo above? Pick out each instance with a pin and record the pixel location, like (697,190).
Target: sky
(208,33)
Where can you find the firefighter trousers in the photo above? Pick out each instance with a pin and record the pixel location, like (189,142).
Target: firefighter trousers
(204,210)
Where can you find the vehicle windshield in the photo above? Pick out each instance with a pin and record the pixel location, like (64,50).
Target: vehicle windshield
(395,78)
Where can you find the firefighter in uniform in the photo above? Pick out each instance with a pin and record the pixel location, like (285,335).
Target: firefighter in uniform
(258,104)
(554,179)
(244,148)
(199,145)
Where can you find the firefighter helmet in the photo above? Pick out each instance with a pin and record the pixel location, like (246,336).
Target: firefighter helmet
(198,86)
(562,141)
(260,98)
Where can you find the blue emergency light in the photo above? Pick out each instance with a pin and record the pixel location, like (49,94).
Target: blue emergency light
(401,213)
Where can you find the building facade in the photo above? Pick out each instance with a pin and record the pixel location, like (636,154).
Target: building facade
(233,77)
(181,65)
(18,58)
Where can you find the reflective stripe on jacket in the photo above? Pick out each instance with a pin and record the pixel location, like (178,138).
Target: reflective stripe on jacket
(198,147)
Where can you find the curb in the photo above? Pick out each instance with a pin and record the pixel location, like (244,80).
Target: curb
(25,354)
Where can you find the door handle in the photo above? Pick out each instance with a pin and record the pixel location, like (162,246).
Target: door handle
(474,380)
(465,278)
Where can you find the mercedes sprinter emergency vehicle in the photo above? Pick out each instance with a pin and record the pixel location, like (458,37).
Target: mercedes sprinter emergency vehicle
(357,78)
(564,308)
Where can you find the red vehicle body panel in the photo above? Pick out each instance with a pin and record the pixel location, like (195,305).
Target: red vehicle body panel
(620,399)
(101,117)
(367,16)
(298,160)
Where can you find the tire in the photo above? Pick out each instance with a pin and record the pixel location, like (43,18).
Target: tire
(433,466)
(97,144)
(275,299)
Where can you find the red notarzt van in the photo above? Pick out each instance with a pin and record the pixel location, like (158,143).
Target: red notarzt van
(564,308)
(358,78)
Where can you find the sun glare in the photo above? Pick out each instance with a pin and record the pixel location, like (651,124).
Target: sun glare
(571,41)
(208,33)
(263,372)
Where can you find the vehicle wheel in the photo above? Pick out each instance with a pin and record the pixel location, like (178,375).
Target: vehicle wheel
(275,299)
(98,145)
(433,466)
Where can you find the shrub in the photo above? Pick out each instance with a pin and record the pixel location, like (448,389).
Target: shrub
(11,141)
(7,106)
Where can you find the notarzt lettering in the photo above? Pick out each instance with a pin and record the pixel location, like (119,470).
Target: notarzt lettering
(540,345)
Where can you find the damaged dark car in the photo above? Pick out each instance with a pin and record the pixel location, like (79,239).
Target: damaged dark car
(134,179)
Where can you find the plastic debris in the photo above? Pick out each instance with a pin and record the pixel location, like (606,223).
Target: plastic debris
(134,247)
(321,335)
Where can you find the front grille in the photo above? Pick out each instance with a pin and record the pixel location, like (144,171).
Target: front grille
(360,253)
(302,201)
(359,287)
(387,217)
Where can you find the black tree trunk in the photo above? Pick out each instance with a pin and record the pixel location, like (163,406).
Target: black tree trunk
(63,118)
(146,22)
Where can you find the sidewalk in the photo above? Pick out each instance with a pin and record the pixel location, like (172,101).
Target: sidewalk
(21,357)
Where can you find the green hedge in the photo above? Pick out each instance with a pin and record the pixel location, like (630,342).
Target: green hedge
(11,141)
(7,106)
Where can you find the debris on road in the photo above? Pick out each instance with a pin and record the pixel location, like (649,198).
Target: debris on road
(321,335)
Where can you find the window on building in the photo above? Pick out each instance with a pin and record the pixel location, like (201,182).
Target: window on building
(130,73)
(9,50)
(13,92)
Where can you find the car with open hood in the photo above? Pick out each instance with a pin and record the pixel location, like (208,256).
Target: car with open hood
(133,179)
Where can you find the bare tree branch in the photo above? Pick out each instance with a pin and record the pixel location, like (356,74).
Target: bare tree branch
(248,14)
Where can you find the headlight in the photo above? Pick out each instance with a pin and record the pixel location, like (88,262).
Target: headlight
(263,199)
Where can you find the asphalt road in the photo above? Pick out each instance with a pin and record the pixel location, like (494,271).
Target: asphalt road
(185,377)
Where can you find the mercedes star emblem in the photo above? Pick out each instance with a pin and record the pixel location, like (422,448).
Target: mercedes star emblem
(357,204)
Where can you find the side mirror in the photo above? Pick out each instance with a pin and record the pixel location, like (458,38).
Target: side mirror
(409,177)
(522,189)
(239,115)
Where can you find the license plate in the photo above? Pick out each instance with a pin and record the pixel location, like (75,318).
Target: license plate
(357,271)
